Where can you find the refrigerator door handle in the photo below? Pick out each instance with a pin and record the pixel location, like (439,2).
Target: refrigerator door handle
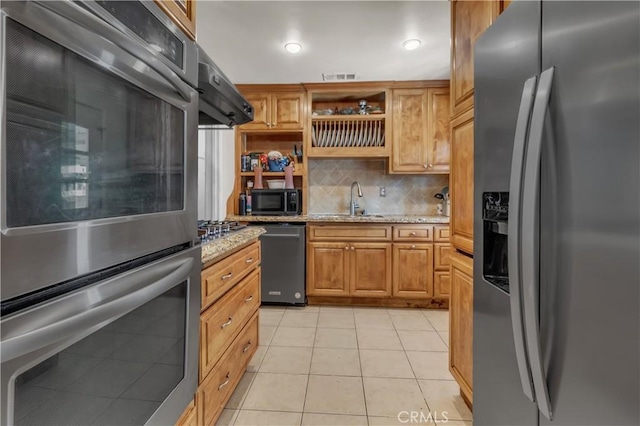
(531,240)
(513,242)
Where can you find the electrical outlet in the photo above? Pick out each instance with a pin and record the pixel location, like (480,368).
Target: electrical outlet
(383,191)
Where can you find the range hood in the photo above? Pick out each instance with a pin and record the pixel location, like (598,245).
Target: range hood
(220,101)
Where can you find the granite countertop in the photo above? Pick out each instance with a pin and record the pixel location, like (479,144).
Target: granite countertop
(219,247)
(343,218)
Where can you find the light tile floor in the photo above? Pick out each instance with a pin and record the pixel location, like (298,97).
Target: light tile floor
(348,366)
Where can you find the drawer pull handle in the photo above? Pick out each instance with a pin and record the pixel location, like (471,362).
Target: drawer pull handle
(413,246)
(249,260)
(353,248)
(247,346)
(248,299)
(225,383)
(346,248)
(227,323)
(413,234)
(227,276)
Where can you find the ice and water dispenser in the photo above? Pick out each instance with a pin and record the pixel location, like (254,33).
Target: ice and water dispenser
(495,212)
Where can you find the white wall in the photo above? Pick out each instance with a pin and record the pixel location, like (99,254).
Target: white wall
(216,168)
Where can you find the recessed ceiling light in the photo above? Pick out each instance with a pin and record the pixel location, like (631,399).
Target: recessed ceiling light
(293,47)
(411,44)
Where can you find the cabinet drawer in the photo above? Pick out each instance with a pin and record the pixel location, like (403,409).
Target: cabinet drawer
(412,233)
(442,253)
(441,233)
(216,389)
(349,233)
(220,277)
(220,324)
(441,284)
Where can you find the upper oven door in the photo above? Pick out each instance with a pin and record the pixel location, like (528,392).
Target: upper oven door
(98,150)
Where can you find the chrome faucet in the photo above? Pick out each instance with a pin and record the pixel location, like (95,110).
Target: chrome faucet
(352,205)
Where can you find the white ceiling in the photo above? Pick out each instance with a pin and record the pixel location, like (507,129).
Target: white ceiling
(246,39)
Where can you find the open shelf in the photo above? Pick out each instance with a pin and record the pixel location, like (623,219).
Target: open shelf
(297,172)
(352,117)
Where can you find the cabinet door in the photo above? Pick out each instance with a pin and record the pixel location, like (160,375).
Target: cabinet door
(287,110)
(182,13)
(441,284)
(461,181)
(328,269)
(438,155)
(469,19)
(370,269)
(441,253)
(461,323)
(261,103)
(413,270)
(410,115)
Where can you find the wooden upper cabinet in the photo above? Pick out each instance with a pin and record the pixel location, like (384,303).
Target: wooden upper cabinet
(182,13)
(370,269)
(461,182)
(438,143)
(261,102)
(420,130)
(276,110)
(505,4)
(461,323)
(469,19)
(286,110)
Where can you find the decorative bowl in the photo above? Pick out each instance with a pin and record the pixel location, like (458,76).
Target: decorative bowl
(275,183)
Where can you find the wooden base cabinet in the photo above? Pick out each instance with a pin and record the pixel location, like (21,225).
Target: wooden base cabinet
(328,269)
(461,323)
(413,270)
(349,269)
(394,265)
(228,331)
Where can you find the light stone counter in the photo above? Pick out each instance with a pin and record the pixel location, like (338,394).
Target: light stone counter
(343,218)
(218,248)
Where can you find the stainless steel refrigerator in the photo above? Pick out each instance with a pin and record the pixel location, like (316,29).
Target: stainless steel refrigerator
(557,212)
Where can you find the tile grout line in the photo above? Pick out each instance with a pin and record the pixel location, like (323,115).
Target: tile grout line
(411,366)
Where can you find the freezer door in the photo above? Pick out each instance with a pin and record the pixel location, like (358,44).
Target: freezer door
(590,186)
(506,56)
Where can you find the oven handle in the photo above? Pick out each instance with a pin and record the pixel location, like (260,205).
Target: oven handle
(30,341)
(88,20)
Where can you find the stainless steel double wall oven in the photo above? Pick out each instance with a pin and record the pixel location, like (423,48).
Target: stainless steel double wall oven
(100,275)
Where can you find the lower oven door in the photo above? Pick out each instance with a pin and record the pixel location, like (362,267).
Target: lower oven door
(121,352)
(98,161)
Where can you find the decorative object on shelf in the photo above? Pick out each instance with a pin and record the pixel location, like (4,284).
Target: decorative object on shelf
(322,112)
(375,110)
(245,162)
(264,162)
(257,172)
(277,161)
(363,107)
(347,111)
(276,183)
(288,177)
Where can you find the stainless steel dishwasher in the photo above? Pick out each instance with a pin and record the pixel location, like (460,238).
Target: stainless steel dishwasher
(283,263)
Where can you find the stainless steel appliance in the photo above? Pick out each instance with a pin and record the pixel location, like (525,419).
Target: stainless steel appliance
(100,264)
(556,293)
(220,101)
(121,351)
(276,202)
(283,264)
(98,146)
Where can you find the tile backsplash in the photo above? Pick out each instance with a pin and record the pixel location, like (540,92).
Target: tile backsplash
(330,183)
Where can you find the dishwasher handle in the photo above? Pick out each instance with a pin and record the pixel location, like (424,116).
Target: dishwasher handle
(293,236)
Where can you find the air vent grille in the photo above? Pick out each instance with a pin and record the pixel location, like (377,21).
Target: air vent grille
(341,76)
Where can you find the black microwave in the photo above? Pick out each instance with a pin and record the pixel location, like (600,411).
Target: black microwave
(276,202)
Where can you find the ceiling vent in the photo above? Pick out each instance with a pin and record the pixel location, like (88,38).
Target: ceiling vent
(343,76)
